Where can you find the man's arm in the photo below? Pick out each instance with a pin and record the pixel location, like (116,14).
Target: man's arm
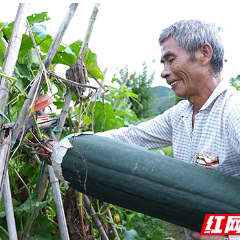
(233,126)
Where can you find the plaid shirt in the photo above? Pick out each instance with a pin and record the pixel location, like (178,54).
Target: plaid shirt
(216,131)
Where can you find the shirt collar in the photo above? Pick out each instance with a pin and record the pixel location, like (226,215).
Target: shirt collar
(221,87)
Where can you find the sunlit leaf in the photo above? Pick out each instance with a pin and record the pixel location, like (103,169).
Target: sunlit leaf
(59,105)
(38,18)
(92,65)
(76,46)
(64,58)
(40,31)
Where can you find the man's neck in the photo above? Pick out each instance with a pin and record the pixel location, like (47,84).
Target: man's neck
(205,92)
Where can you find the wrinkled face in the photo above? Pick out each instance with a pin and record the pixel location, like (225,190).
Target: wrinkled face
(182,73)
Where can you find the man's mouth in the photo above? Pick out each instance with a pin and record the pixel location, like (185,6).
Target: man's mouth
(173,84)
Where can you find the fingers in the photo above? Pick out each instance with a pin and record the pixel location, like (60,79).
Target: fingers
(50,144)
(197,236)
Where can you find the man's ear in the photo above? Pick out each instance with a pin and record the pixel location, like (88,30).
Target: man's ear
(206,53)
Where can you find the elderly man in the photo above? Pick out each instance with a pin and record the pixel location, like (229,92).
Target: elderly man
(207,122)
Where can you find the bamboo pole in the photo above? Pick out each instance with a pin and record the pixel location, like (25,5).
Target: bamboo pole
(58,203)
(8,68)
(12,53)
(100,88)
(81,54)
(9,210)
(54,182)
(95,218)
(112,225)
(69,95)
(5,148)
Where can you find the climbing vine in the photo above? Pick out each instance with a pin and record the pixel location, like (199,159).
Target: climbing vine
(36,219)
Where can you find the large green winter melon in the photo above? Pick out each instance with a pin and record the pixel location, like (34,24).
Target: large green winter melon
(148,182)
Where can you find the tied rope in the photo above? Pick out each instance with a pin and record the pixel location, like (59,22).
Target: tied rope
(55,129)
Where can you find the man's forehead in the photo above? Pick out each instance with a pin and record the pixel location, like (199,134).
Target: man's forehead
(170,47)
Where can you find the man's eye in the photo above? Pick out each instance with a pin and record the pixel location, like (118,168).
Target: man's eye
(171,60)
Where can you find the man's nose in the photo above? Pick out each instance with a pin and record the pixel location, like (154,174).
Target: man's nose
(166,72)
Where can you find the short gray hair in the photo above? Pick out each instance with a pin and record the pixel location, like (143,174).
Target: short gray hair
(191,35)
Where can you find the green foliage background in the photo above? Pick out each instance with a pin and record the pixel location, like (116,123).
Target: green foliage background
(25,169)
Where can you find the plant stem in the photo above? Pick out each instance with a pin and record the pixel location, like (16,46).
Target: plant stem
(38,129)
(8,77)
(4,230)
(29,193)
(25,234)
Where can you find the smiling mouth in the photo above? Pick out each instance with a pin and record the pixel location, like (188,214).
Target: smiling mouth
(173,84)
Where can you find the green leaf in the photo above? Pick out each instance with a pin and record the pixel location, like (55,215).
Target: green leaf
(112,122)
(3,48)
(32,58)
(40,31)
(64,58)
(45,44)
(42,228)
(128,115)
(76,46)
(91,61)
(65,48)
(129,217)
(57,236)
(134,95)
(26,45)
(7,30)
(25,207)
(23,72)
(114,80)
(59,104)
(3,25)
(21,81)
(130,235)
(38,18)
(92,65)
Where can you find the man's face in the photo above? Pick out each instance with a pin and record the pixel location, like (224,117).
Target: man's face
(180,71)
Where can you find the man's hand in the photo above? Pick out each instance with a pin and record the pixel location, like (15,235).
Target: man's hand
(45,154)
(197,236)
